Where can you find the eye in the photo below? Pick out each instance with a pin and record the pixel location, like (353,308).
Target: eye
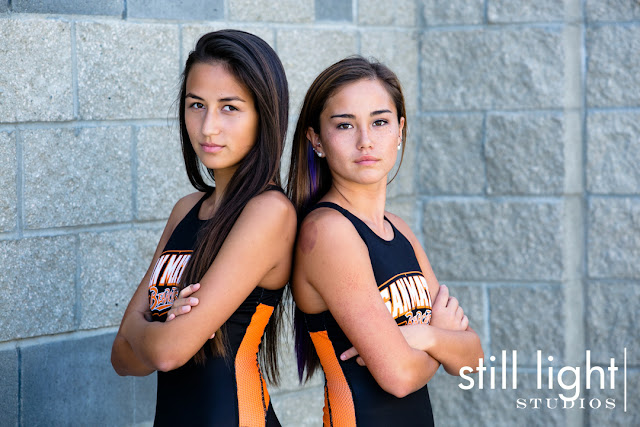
(380,122)
(344,126)
(196,105)
(229,108)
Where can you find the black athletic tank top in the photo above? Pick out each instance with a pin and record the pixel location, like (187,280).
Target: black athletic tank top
(223,391)
(352,396)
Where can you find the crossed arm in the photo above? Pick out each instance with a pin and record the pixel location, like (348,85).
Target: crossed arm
(253,254)
(401,360)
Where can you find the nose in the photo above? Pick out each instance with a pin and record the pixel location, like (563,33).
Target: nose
(210,123)
(364,141)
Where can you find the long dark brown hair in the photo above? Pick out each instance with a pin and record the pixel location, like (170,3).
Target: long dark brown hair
(310,176)
(255,65)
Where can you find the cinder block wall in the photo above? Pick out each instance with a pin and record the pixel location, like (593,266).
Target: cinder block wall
(521,178)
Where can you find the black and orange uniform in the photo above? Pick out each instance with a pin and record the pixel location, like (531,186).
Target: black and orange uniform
(221,391)
(352,395)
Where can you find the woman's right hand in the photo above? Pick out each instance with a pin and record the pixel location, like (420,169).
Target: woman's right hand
(446,312)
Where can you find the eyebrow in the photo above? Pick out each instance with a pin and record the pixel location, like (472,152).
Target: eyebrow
(230,98)
(351,116)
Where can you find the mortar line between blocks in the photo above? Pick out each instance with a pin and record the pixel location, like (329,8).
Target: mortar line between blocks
(74,72)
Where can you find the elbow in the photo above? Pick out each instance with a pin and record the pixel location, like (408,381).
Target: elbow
(165,362)
(400,383)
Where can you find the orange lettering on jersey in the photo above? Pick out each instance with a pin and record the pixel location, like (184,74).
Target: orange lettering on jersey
(396,301)
(386,299)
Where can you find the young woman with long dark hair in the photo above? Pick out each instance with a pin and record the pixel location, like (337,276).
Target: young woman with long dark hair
(362,283)
(225,254)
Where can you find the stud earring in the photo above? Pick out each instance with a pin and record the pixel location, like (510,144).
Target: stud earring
(399,146)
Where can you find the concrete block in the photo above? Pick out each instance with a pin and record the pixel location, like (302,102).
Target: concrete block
(4,6)
(8,197)
(613,236)
(125,70)
(35,83)
(9,387)
(161,176)
(145,393)
(525,154)
(611,320)
(301,408)
(450,159)
(334,10)
(501,240)
(406,208)
(503,11)
(305,53)
(199,10)
(487,69)
(39,296)
(76,176)
(443,12)
(398,51)
(264,11)
(397,13)
(81,387)
(453,406)
(612,10)
(112,266)
(613,66)
(74,7)
(613,153)
(192,33)
(615,417)
(527,319)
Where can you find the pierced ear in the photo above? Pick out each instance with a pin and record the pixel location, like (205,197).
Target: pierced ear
(401,126)
(314,140)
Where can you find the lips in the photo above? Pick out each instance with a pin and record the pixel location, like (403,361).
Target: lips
(366,160)
(211,148)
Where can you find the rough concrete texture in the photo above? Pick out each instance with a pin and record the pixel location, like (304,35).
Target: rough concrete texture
(35,82)
(406,208)
(454,407)
(81,387)
(334,10)
(302,408)
(613,153)
(191,34)
(76,7)
(474,239)
(126,70)
(39,297)
(112,266)
(499,11)
(613,66)
(616,416)
(303,64)
(9,386)
(451,12)
(398,51)
(483,69)
(612,320)
(183,10)
(145,389)
(536,309)
(76,176)
(263,10)
(161,176)
(8,196)
(613,238)
(612,10)
(399,13)
(524,154)
(450,157)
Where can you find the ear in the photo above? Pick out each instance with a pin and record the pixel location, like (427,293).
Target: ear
(400,129)
(314,139)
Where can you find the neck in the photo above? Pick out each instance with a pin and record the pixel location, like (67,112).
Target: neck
(367,202)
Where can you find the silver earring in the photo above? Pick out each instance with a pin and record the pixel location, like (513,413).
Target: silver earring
(321,155)
(399,146)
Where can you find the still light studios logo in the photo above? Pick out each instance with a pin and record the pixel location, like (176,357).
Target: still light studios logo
(567,378)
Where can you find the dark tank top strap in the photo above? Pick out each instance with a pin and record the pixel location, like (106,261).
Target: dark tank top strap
(273,187)
(363,229)
(195,210)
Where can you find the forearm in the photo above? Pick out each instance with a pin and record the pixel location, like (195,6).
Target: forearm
(124,360)
(454,349)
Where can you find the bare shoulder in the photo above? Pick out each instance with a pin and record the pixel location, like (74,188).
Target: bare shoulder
(326,228)
(271,207)
(183,206)
(402,226)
